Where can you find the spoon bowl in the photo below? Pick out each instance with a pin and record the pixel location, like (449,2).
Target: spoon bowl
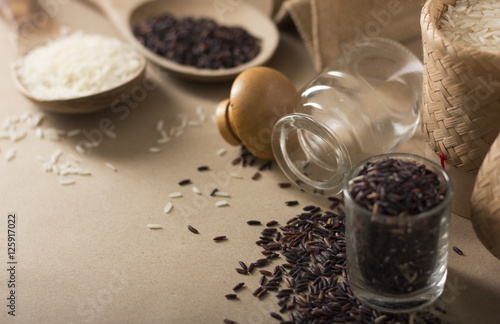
(34,27)
(125,14)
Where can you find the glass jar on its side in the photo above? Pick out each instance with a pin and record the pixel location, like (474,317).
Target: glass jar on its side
(367,102)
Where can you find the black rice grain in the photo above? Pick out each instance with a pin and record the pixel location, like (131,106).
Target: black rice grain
(291,203)
(266,165)
(192,229)
(231,296)
(254,222)
(458,251)
(220,238)
(266,273)
(272,223)
(203,168)
(184,182)
(276,316)
(243,265)
(257,291)
(238,286)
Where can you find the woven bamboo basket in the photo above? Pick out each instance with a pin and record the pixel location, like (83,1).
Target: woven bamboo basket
(485,201)
(461,102)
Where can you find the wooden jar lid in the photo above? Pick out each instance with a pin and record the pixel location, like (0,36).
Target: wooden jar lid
(259,97)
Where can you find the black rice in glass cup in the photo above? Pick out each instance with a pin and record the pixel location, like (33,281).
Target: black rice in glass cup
(397,213)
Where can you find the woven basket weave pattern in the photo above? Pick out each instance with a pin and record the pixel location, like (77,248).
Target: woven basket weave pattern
(461,97)
(485,200)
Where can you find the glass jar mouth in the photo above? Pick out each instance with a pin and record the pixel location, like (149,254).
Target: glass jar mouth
(377,217)
(310,155)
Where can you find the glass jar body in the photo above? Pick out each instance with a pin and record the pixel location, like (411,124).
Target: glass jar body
(397,263)
(367,102)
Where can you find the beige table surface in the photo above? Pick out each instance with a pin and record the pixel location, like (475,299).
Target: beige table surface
(84,252)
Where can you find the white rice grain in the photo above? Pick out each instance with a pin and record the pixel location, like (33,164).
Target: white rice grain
(16,136)
(221,194)
(73,132)
(110,134)
(51,134)
(66,182)
(36,120)
(236,176)
(176,194)
(73,158)
(39,133)
(154,226)
(5,135)
(221,152)
(163,140)
(111,166)
(168,207)
(222,203)
(10,154)
(80,149)
(159,125)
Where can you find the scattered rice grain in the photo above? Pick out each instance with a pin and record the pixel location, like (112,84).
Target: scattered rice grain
(80,149)
(168,207)
(184,182)
(196,190)
(221,194)
(194,123)
(221,203)
(231,296)
(39,133)
(458,251)
(73,132)
(238,286)
(66,182)
(110,134)
(192,229)
(159,125)
(111,166)
(10,154)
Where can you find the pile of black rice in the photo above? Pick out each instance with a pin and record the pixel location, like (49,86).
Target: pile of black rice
(311,285)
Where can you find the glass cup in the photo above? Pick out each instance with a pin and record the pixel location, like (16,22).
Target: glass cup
(396,263)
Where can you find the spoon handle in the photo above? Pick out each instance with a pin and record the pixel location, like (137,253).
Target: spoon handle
(20,14)
(30,22)
(118,12)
